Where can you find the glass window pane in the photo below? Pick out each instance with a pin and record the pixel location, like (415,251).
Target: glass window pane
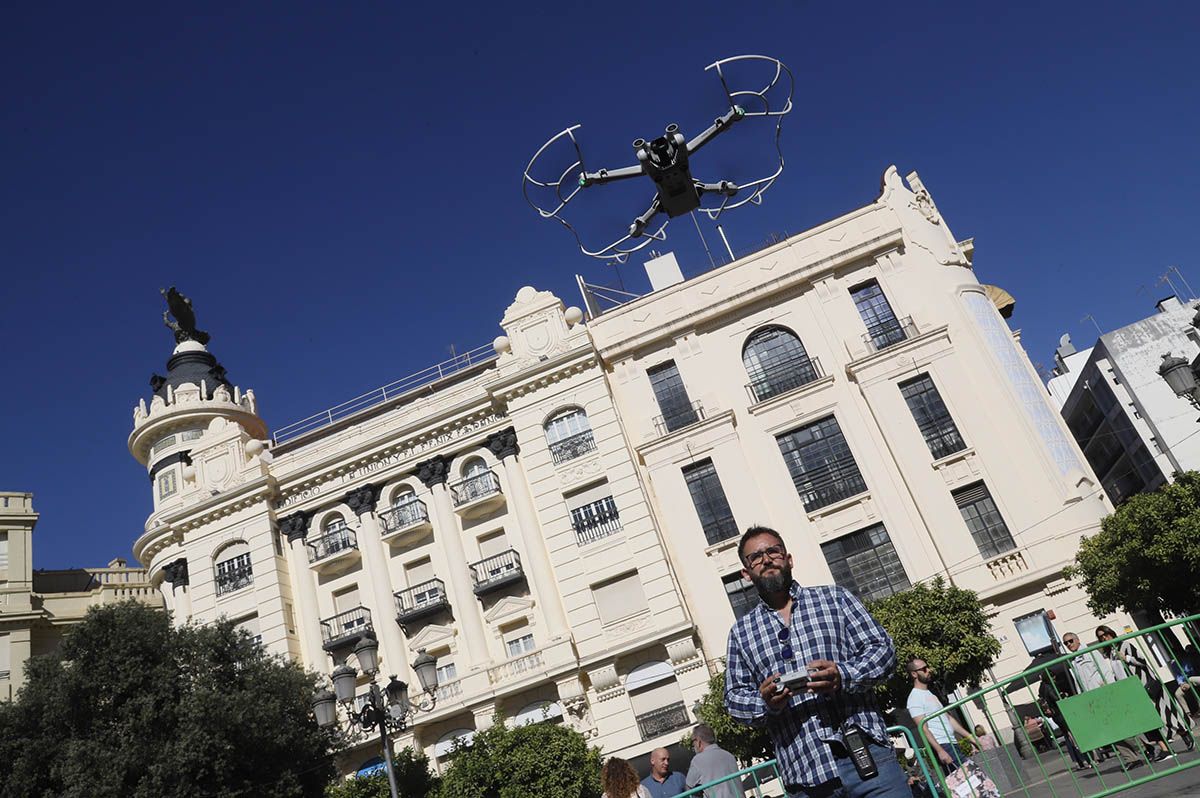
(776,362)
(932,417)
(865,563)
(822,467)
(673,401)
(983,520)
(708,497)
(882,326)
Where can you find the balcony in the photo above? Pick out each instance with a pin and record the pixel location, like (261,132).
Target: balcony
(405,521)
(658,722)
(496,572)
(683,415)
(576,445)
(421,601)
(784,377)
(515,668)
(337,548)
(345,628)
(476,493)
(889,332)
(595,521)
(234,578)
(448,691)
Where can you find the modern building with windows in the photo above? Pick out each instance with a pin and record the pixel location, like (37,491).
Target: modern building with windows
(856,388)
(38,607)
(487,510)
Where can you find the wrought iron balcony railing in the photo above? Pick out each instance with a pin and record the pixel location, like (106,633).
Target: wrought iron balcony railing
(889,333)
(784,377)
(475,487)
(596,520)
(574,446)
(660,721)
(330,543)
(496,572)
(683,415)
(420,601)
(234,577)
(345,627)
(403,515)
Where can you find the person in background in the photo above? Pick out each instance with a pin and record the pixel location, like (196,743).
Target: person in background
(662,781)
(710,763)
(940,731)
(1127,652)
(1094,670)
(618,779)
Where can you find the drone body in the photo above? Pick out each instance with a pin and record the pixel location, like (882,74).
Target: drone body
(666,160)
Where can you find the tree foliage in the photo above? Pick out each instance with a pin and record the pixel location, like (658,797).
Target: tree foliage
(413,779)
(748,743)
(131,707)
(943,625)
(1147,553)
(530,761)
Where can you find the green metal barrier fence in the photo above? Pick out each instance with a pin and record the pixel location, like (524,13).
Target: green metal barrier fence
(757,780)
(1084,724)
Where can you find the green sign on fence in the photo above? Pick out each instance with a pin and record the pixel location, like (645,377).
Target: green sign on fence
(1109,713)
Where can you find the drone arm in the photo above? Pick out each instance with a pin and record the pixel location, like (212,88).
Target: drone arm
(719,125)
(603,176)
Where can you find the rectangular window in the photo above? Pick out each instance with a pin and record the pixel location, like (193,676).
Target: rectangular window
(932,417)
(741,593)
(446,672)
(866,564)
(822,467)
(166,484)
(347,599)
(516,646)
(595,520)
(677,409)
(234,573)
(883,328)
(983,519)
(5,657)
(619,598)
(709,500)
(3,551)
(250,626)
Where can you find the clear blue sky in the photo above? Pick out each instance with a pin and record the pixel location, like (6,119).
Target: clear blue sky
(337,186)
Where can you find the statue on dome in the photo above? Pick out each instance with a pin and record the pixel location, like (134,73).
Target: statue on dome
(184,324)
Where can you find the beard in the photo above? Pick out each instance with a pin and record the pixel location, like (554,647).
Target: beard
(775,581)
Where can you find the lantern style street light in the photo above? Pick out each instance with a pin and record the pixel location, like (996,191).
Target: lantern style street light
(1178,373)
(388,709)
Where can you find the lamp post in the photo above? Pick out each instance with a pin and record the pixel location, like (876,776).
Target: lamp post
(387,709)
(1178,373)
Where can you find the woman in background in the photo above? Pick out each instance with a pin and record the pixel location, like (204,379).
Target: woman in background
(1136,665)
(618,779)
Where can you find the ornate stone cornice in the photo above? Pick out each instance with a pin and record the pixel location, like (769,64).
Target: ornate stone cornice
(503,443)
(535,375)
(176,572)
(434,471)
(295,526)
(363,498)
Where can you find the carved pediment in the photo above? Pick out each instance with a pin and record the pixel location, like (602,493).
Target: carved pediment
(432,636)
(507,608)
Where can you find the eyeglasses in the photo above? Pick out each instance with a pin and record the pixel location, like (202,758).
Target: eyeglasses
(921,669)
(786,652)
(1074,641)
(776,552)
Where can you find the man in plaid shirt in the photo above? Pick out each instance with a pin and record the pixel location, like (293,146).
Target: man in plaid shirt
(827,632)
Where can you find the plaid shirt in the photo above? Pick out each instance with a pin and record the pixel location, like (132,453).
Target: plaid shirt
(828,622)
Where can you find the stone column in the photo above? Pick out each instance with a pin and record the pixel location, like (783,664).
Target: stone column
(295,527)
(503,445)
(176,574)
(362,501)
(433,474)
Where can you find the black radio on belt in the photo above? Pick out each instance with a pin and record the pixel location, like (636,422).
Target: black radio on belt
(856,745)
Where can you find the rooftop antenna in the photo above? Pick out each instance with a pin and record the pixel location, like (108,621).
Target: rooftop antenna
(1092,319)
(1179,274)
(666,161)
(700,233)
(1165,277)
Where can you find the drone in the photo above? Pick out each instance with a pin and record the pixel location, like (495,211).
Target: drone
(667,162)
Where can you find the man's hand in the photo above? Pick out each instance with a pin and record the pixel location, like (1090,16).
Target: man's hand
(824,676)
(944,756)
(776,699)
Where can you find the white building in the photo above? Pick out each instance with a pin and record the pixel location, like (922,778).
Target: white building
(1132,427)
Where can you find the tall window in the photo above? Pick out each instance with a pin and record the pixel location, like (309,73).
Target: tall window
(983,519)
(932,417)
(741,593)
(883,328)
(569,435)
(776,362)
(709,499)
(166,484)
(233,571)
(821,465)
(865,563)
(677,409)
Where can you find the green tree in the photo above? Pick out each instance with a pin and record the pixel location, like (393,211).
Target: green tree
(413,779)
(943,625)
(748,743)
(131,707)
(531,761)
(1147,553)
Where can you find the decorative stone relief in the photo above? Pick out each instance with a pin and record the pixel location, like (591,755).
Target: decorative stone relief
(176,573)
(683,655)
(627,627)
(578,472)
(503,443)
(295,526)
(606,682)
(1056,586)
(1007,565)
(432,636)
(363,499)
(508,608)
(434,471)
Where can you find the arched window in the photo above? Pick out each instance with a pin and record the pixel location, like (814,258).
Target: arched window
(569,434)
(405,511)
(474,467)
(335,536)
(776,362)
(232,568)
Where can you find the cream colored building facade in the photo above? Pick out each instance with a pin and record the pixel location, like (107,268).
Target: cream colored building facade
(855,388)
(38,607)
(491,513)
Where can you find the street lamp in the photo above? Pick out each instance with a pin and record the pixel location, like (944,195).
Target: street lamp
(388,709)
(1179,375)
